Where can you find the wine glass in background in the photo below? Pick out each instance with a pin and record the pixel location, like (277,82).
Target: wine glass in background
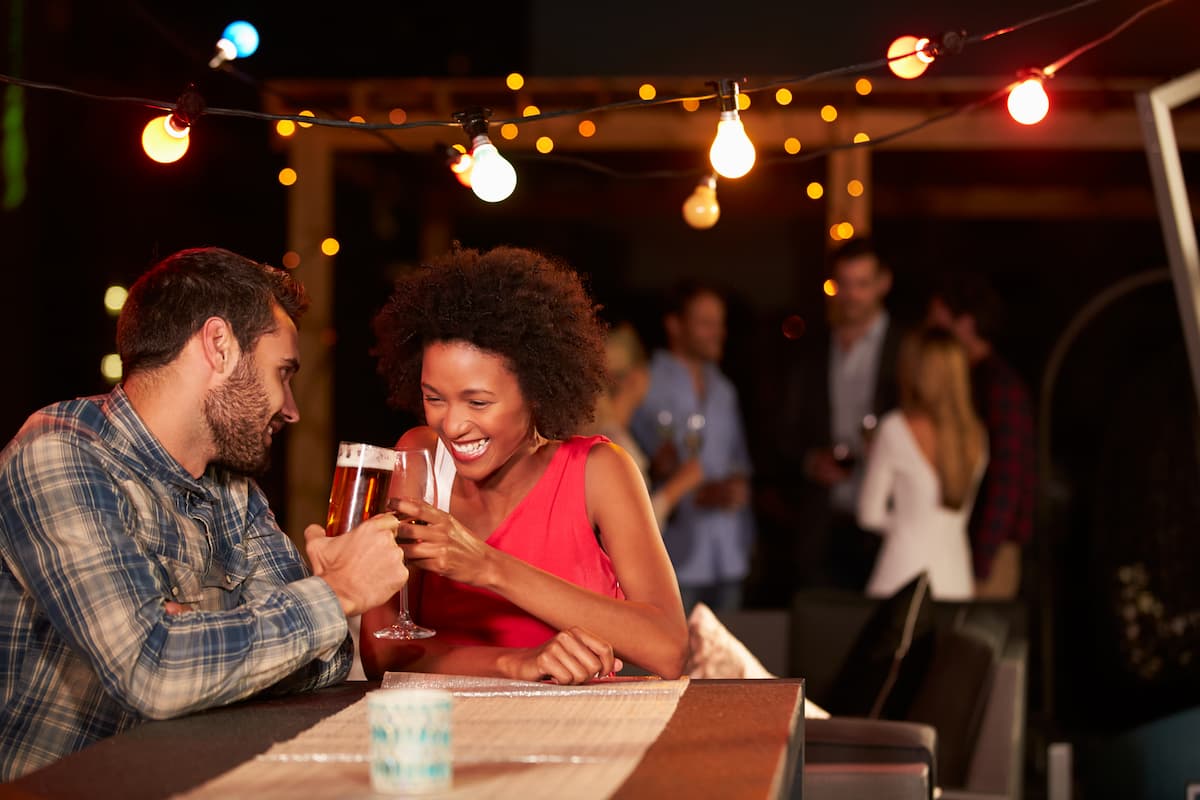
(665,422)
(693,436)
(412,478)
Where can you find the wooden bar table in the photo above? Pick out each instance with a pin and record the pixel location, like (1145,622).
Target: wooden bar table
(727,739)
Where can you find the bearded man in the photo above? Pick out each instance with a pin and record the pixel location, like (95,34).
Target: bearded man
(142,573)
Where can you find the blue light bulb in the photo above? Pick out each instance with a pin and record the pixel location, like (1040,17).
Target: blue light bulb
(244,37)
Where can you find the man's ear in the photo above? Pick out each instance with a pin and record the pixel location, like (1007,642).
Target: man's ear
(218,344)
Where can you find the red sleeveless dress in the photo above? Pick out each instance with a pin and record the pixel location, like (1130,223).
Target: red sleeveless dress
(549,529)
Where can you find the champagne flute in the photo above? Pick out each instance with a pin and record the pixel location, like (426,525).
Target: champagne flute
(412,477)
(694,436)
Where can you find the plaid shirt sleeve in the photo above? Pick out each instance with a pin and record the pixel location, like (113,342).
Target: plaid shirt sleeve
(67,524)
(1004,509)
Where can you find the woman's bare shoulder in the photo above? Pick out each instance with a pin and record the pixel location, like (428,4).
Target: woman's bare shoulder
(421,437)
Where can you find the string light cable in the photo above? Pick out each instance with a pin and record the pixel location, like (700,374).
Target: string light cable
(952,42)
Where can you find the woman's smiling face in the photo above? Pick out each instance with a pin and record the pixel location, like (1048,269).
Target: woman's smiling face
(474,403)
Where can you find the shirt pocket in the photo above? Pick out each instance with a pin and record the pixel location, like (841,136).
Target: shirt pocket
(216,586)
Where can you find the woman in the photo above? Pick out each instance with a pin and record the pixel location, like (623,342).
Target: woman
(923,469)
(542,559)
(628,381)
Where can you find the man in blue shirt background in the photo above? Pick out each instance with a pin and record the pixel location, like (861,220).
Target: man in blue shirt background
(691,411)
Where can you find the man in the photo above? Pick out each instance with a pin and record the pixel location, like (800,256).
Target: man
(1002,520)
(691,411)
(838,389)
(142,574)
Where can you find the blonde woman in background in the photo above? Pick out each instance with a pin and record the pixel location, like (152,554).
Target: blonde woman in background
(628,380)
(923,470)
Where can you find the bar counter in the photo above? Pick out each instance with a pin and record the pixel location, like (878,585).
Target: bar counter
(727,738)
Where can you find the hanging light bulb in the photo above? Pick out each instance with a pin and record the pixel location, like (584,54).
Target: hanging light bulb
(165,139)
(1028,102)
(910,56)
(701,210)
(732,152)
(492,178)
(238,40)
(907,57)
(458,160)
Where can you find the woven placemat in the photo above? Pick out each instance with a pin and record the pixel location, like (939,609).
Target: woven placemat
(512,739)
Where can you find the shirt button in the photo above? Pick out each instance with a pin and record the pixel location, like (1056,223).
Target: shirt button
(175,591)
(229,579)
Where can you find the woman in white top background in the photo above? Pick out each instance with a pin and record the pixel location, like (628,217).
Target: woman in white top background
(923,469)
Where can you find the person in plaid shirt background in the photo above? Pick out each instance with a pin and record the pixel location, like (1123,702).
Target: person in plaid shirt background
(1002,522)
(142,573)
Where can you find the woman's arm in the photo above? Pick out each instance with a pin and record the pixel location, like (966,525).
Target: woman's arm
(876,487)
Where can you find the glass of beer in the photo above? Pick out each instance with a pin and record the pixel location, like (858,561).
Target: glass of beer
(360,485)
(412,478)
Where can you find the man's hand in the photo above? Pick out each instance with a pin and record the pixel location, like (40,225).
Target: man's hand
(664,462)
(363,567)
(820,466)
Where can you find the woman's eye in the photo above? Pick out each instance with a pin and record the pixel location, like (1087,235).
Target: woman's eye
(479,404)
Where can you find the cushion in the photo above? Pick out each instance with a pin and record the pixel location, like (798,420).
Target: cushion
(885,665)
(717,653)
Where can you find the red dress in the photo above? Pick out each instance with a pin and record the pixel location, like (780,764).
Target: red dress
(549,529)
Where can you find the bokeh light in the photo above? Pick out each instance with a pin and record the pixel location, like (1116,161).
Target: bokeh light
(291,259)
(330,246)
(530,111)
(855,188)
(285,127)
(830,287)
(114,298)
(791,145)
(587,128)
(544,144)
(509,130)
(783,96)
(690,104)
(647,91)
(815,190)
(110,367)
(287,176)
(863,86)
(514,81)
(861,137)
(828,113)
(397,116)
(794,327)
(305,113)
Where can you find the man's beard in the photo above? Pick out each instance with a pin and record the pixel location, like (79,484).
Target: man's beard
(238,413)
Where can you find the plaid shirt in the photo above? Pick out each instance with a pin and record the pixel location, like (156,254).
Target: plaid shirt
(99,527)
(1004,509)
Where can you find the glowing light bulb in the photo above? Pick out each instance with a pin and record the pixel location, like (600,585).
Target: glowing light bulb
(732,152)
(462,167)
(164,139)
(915,60)
(701,210)
(238,40)
(492,178)
(1028,103)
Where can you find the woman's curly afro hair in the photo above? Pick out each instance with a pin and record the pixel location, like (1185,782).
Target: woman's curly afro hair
(521,305)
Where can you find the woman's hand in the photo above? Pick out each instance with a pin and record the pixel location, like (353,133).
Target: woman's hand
(443,545)
(572,656)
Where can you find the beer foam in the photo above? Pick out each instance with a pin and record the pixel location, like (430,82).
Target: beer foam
(366,455)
